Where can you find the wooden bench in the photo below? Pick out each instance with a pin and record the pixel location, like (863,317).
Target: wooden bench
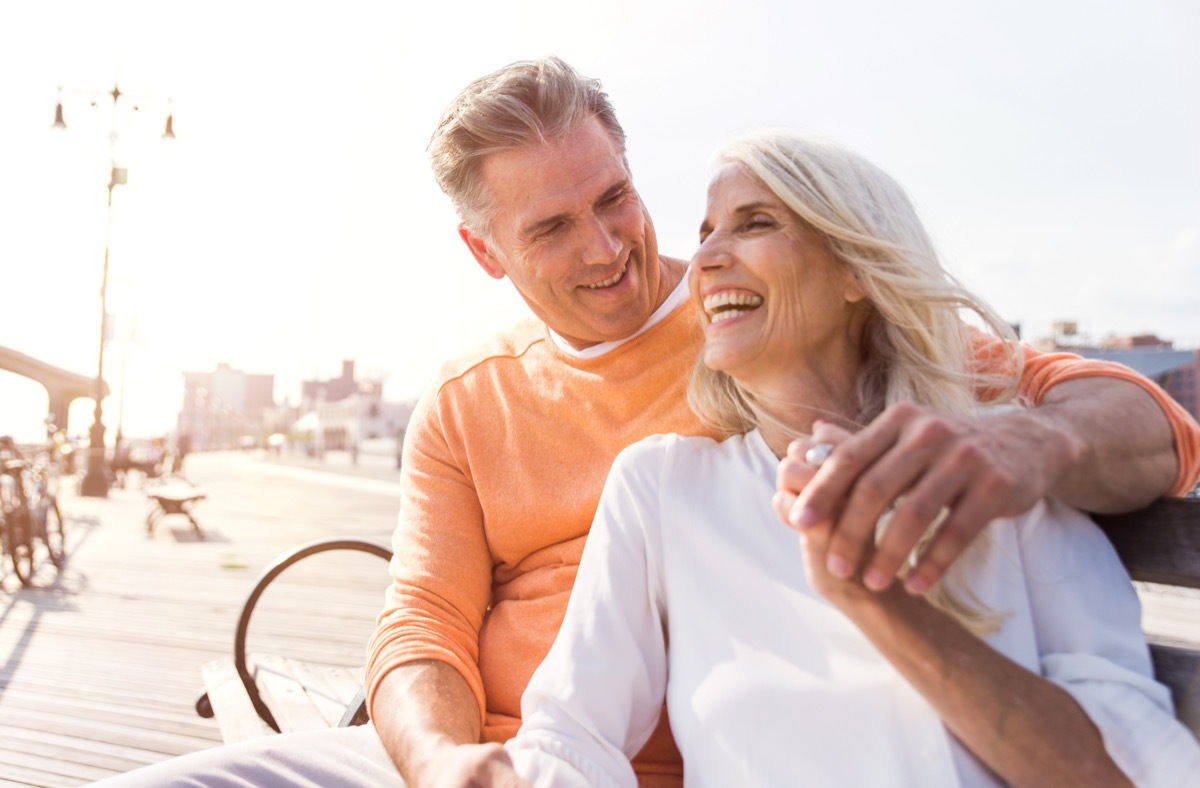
(173,495)
(258,694)
(255,695)
(1161,545)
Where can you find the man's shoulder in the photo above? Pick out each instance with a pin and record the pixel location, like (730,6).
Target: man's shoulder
(513,342)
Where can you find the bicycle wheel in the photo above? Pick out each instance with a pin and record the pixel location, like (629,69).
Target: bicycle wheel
(50,530)
(18,543)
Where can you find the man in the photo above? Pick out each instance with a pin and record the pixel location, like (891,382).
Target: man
(507,452)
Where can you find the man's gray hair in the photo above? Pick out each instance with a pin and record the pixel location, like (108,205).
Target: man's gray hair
(529,102)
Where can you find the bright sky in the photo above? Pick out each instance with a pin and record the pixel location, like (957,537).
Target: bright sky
(1053,148)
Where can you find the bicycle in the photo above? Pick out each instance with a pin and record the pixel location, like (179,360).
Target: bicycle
(47,519)
(30,512)
(18,524)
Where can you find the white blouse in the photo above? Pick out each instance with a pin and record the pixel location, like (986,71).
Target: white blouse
(769,685)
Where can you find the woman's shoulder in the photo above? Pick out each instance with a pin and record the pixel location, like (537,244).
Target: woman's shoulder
(670,450)
(1059,540)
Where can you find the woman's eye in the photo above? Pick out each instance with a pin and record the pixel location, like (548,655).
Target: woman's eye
(758,223)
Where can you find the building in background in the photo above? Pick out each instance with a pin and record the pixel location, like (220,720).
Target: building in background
(1176,371)
(347,414)
(222,406)
(229,408)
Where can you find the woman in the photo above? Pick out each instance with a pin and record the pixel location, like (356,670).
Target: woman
(825,302)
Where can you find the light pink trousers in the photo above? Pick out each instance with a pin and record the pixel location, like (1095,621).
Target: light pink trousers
(321,759)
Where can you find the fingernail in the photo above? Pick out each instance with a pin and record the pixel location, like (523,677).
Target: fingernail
(839,567)
(875,580)
(916,585)
(805,518)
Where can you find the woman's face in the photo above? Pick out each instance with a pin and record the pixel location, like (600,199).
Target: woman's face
(776,301)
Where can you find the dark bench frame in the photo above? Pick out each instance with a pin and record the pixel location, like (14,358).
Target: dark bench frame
(1161,544)
(1158,544)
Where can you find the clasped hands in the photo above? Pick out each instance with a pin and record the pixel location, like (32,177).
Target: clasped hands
(915,462)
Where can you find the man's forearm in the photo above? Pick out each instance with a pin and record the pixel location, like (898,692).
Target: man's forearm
(420,710)
(1125,447)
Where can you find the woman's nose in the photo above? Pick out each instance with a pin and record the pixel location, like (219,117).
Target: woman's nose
(711,254)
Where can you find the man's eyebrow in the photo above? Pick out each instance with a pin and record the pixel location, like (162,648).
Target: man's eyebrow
(545,224)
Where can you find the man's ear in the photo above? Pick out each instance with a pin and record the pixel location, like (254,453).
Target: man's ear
(479,250)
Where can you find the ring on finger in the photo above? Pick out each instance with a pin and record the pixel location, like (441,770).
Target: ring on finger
(818,454)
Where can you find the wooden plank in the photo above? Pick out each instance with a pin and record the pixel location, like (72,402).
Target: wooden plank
(231,705)
(52,767)
(1160,543)
(322,693)
(346,682)
(58,745)
(285,695)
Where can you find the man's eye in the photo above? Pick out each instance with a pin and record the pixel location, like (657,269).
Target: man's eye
(549,232)
(613,199)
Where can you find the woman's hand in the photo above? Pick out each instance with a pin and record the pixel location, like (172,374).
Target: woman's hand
(796,470)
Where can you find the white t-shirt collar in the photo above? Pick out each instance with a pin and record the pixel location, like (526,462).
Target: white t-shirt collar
(677,297)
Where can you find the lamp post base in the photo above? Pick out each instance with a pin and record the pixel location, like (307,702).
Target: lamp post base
(95,481)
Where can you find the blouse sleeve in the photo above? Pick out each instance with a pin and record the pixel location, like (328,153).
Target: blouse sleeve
(595,699)
(1087,620)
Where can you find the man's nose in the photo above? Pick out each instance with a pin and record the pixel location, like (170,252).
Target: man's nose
(601,244)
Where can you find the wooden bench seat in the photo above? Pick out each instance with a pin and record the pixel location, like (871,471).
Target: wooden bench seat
(302,696)
(174,495)
(256,694)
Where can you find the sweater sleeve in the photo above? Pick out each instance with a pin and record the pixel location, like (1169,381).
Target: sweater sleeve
(441,568)
(595,699)
(1087,622)
(1043,371)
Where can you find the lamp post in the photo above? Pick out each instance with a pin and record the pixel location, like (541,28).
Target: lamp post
(96,482)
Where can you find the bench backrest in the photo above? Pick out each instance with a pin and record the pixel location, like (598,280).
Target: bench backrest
(1161,544)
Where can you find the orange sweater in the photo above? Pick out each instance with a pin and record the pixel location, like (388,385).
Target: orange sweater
(504,461)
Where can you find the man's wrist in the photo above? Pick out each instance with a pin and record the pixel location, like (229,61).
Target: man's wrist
(1065,454)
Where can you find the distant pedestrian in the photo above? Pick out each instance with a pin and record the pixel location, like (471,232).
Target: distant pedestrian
(183,445)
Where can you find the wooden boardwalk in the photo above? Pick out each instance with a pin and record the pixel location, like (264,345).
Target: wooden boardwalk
(99,664)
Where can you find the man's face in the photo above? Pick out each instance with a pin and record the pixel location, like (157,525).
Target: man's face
(571,233)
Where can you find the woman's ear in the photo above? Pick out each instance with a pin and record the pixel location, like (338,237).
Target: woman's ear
(853,291)
(482,254)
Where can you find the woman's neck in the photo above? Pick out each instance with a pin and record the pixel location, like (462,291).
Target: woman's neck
(788,407)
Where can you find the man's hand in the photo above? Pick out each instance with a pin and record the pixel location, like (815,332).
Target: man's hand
(979,468)
(466,766)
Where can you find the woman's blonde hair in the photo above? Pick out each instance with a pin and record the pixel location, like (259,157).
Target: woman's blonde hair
(916,346)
